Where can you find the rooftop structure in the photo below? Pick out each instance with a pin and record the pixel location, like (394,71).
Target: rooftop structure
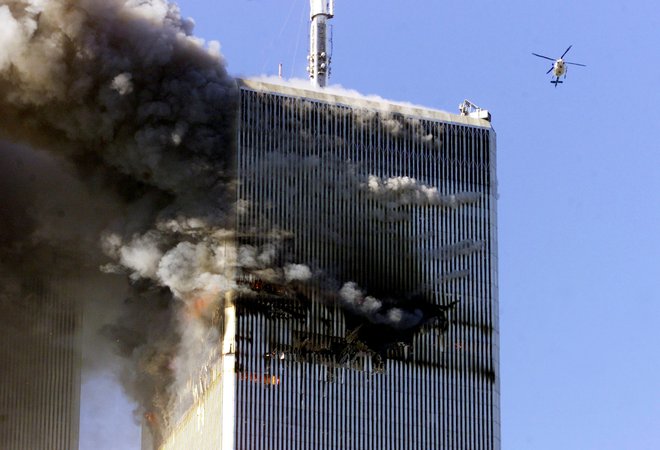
(319,57)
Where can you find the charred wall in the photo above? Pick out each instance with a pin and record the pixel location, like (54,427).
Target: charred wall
(394,215)
(40,362)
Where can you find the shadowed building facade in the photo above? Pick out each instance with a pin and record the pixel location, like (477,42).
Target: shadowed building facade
(40,363)
(384,332)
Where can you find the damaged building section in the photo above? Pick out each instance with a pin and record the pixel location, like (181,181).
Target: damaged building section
(274,301)
(390,210)
(365,286)
(291,306)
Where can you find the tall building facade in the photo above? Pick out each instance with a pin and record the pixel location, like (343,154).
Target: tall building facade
(40,363)
(381,329)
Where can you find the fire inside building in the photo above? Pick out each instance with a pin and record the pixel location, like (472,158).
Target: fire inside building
(390,337)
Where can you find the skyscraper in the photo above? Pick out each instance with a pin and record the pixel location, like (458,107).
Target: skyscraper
(384,332)
(40,362)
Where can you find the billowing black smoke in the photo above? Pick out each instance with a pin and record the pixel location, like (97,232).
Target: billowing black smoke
(124,98)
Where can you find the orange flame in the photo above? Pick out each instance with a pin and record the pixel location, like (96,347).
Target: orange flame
(256,378)
(150,417)
(201,304)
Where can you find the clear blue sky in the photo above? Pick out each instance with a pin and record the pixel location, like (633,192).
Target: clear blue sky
(579,180)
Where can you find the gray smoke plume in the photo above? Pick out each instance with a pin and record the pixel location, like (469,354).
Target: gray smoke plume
(121,88)
(48,271)
(124,97)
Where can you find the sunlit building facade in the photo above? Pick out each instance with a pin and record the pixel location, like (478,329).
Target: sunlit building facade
(383,331)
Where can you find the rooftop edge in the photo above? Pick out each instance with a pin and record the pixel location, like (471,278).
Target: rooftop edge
(341,96)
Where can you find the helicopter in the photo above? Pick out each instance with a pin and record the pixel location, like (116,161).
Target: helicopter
(559,66)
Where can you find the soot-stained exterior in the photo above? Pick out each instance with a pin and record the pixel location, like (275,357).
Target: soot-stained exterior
(385,333)
(40,363)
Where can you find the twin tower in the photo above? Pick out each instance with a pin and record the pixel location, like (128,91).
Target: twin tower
(383,332)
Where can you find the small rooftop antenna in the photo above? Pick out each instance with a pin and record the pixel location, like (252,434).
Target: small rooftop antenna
(318,59)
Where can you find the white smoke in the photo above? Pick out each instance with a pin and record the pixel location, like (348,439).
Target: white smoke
(122,83)
(348,180)
(141,255)
(373,309)
(191,267)
(367,101)
(297,272)
(399,191)
(252,257)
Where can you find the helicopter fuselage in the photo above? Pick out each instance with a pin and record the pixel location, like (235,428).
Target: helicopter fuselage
(559,68)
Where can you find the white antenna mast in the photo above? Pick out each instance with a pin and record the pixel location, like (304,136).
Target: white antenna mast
(318,58)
